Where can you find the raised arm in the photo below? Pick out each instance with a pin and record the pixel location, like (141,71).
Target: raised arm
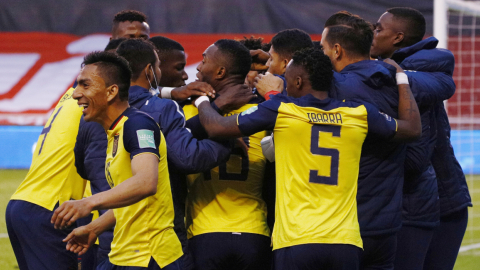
(409,125)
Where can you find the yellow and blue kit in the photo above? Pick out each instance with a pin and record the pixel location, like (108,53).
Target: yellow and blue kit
(145,229)
(317,152)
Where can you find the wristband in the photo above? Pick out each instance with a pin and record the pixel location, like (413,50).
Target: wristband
(200,100)
(166,92)
(401,78)
(273,92)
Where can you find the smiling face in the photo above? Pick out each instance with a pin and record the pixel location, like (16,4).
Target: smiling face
(173,69)
(208,68)
(384,37)
(128,29)
(92,93)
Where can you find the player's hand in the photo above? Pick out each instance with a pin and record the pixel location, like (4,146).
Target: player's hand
(268,82)
(80,240)
(192,89)
(240,143)
(66,215)
(234,98)
(259,60)
(393,63)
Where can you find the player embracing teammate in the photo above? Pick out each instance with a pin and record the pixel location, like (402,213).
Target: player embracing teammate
(340,122)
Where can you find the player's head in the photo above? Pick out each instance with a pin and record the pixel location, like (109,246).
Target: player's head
(103,80)
(113,44)
(143,60)
(284,44)
(397,28)
(172,61)
(252,43)
(225,59)
(309,69)
(347,42)
(130,24)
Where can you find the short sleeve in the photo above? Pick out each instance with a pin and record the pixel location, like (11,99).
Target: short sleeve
(261,117)
(141,134)
(380,124)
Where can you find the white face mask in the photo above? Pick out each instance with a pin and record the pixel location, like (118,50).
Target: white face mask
(153,90)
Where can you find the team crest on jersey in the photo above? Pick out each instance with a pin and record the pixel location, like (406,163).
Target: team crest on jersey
(115,144)
(249,111)
(145,138)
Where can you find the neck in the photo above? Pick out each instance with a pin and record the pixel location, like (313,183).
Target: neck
(113,112)
(340,65)
(142,83)
(225,84)
(318,94)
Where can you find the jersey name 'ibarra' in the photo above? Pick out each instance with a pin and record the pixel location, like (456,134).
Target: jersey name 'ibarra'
(325,118)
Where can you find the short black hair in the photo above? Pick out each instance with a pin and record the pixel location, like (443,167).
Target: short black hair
(113,68)
(318,67)
(287,42)
(139,53)
(252,43)
(129,15)
(340,17)
(237,56)
(354,34)
(113,44)
(164,44)
(414,24)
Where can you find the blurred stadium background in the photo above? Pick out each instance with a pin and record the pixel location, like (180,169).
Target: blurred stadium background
(42,44)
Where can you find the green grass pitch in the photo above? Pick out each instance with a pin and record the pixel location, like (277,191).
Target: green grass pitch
(10,179)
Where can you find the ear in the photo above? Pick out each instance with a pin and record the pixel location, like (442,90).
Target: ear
(298,82)
(112,92)
(338,51)
(221,73)
(148,71)
(398,38)
(285,64)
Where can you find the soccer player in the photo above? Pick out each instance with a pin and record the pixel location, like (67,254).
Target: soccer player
(226,214)
(172,64)
(398,34)
(130,24)
(318,142)
(136,169)
(284,44)
(186,154)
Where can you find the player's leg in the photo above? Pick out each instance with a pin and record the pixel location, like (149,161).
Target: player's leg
(412,247)
(379,252)
(447,238)
(252,252)
(210,251)
(317,256)
(12,235)
(41,243)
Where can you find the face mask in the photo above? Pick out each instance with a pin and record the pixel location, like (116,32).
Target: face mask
(154,91)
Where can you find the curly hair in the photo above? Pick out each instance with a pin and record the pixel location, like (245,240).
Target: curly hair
(318,67)
(252,43)
(129,15)
(113,68)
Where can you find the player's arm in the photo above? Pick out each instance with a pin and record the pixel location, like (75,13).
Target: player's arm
(409,126)
(430,87)
(216,125)
(82,238)
(184,92)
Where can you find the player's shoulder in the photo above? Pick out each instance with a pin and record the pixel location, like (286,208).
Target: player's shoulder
(137,118)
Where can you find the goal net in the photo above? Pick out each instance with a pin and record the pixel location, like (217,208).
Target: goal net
(457,26)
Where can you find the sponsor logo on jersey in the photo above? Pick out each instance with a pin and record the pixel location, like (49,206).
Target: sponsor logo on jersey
(249,111)
(145,138)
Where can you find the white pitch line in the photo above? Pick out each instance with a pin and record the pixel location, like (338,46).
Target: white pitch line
(469,247)
(3,235)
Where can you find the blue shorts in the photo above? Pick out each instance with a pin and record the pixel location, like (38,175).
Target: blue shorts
(317,256)
(36,243)
(152,265)
(231,251)
(379,252)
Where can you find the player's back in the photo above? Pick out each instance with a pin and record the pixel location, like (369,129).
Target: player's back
(228,198)
(53,177)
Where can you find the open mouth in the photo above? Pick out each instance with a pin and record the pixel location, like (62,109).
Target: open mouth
(84,106)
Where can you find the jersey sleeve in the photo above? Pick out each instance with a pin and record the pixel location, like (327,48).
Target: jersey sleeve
(261,117)
(380,124)
(184,149)
(141,134)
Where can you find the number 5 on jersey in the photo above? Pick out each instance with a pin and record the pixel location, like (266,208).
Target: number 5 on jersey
(333,153)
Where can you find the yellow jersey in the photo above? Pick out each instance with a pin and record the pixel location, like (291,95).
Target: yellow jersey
(228,198)
(317,153)
(144,229)
(53,178)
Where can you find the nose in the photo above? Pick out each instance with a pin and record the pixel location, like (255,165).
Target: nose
(76,94)
(199,66)
(268,62)
(184,75)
